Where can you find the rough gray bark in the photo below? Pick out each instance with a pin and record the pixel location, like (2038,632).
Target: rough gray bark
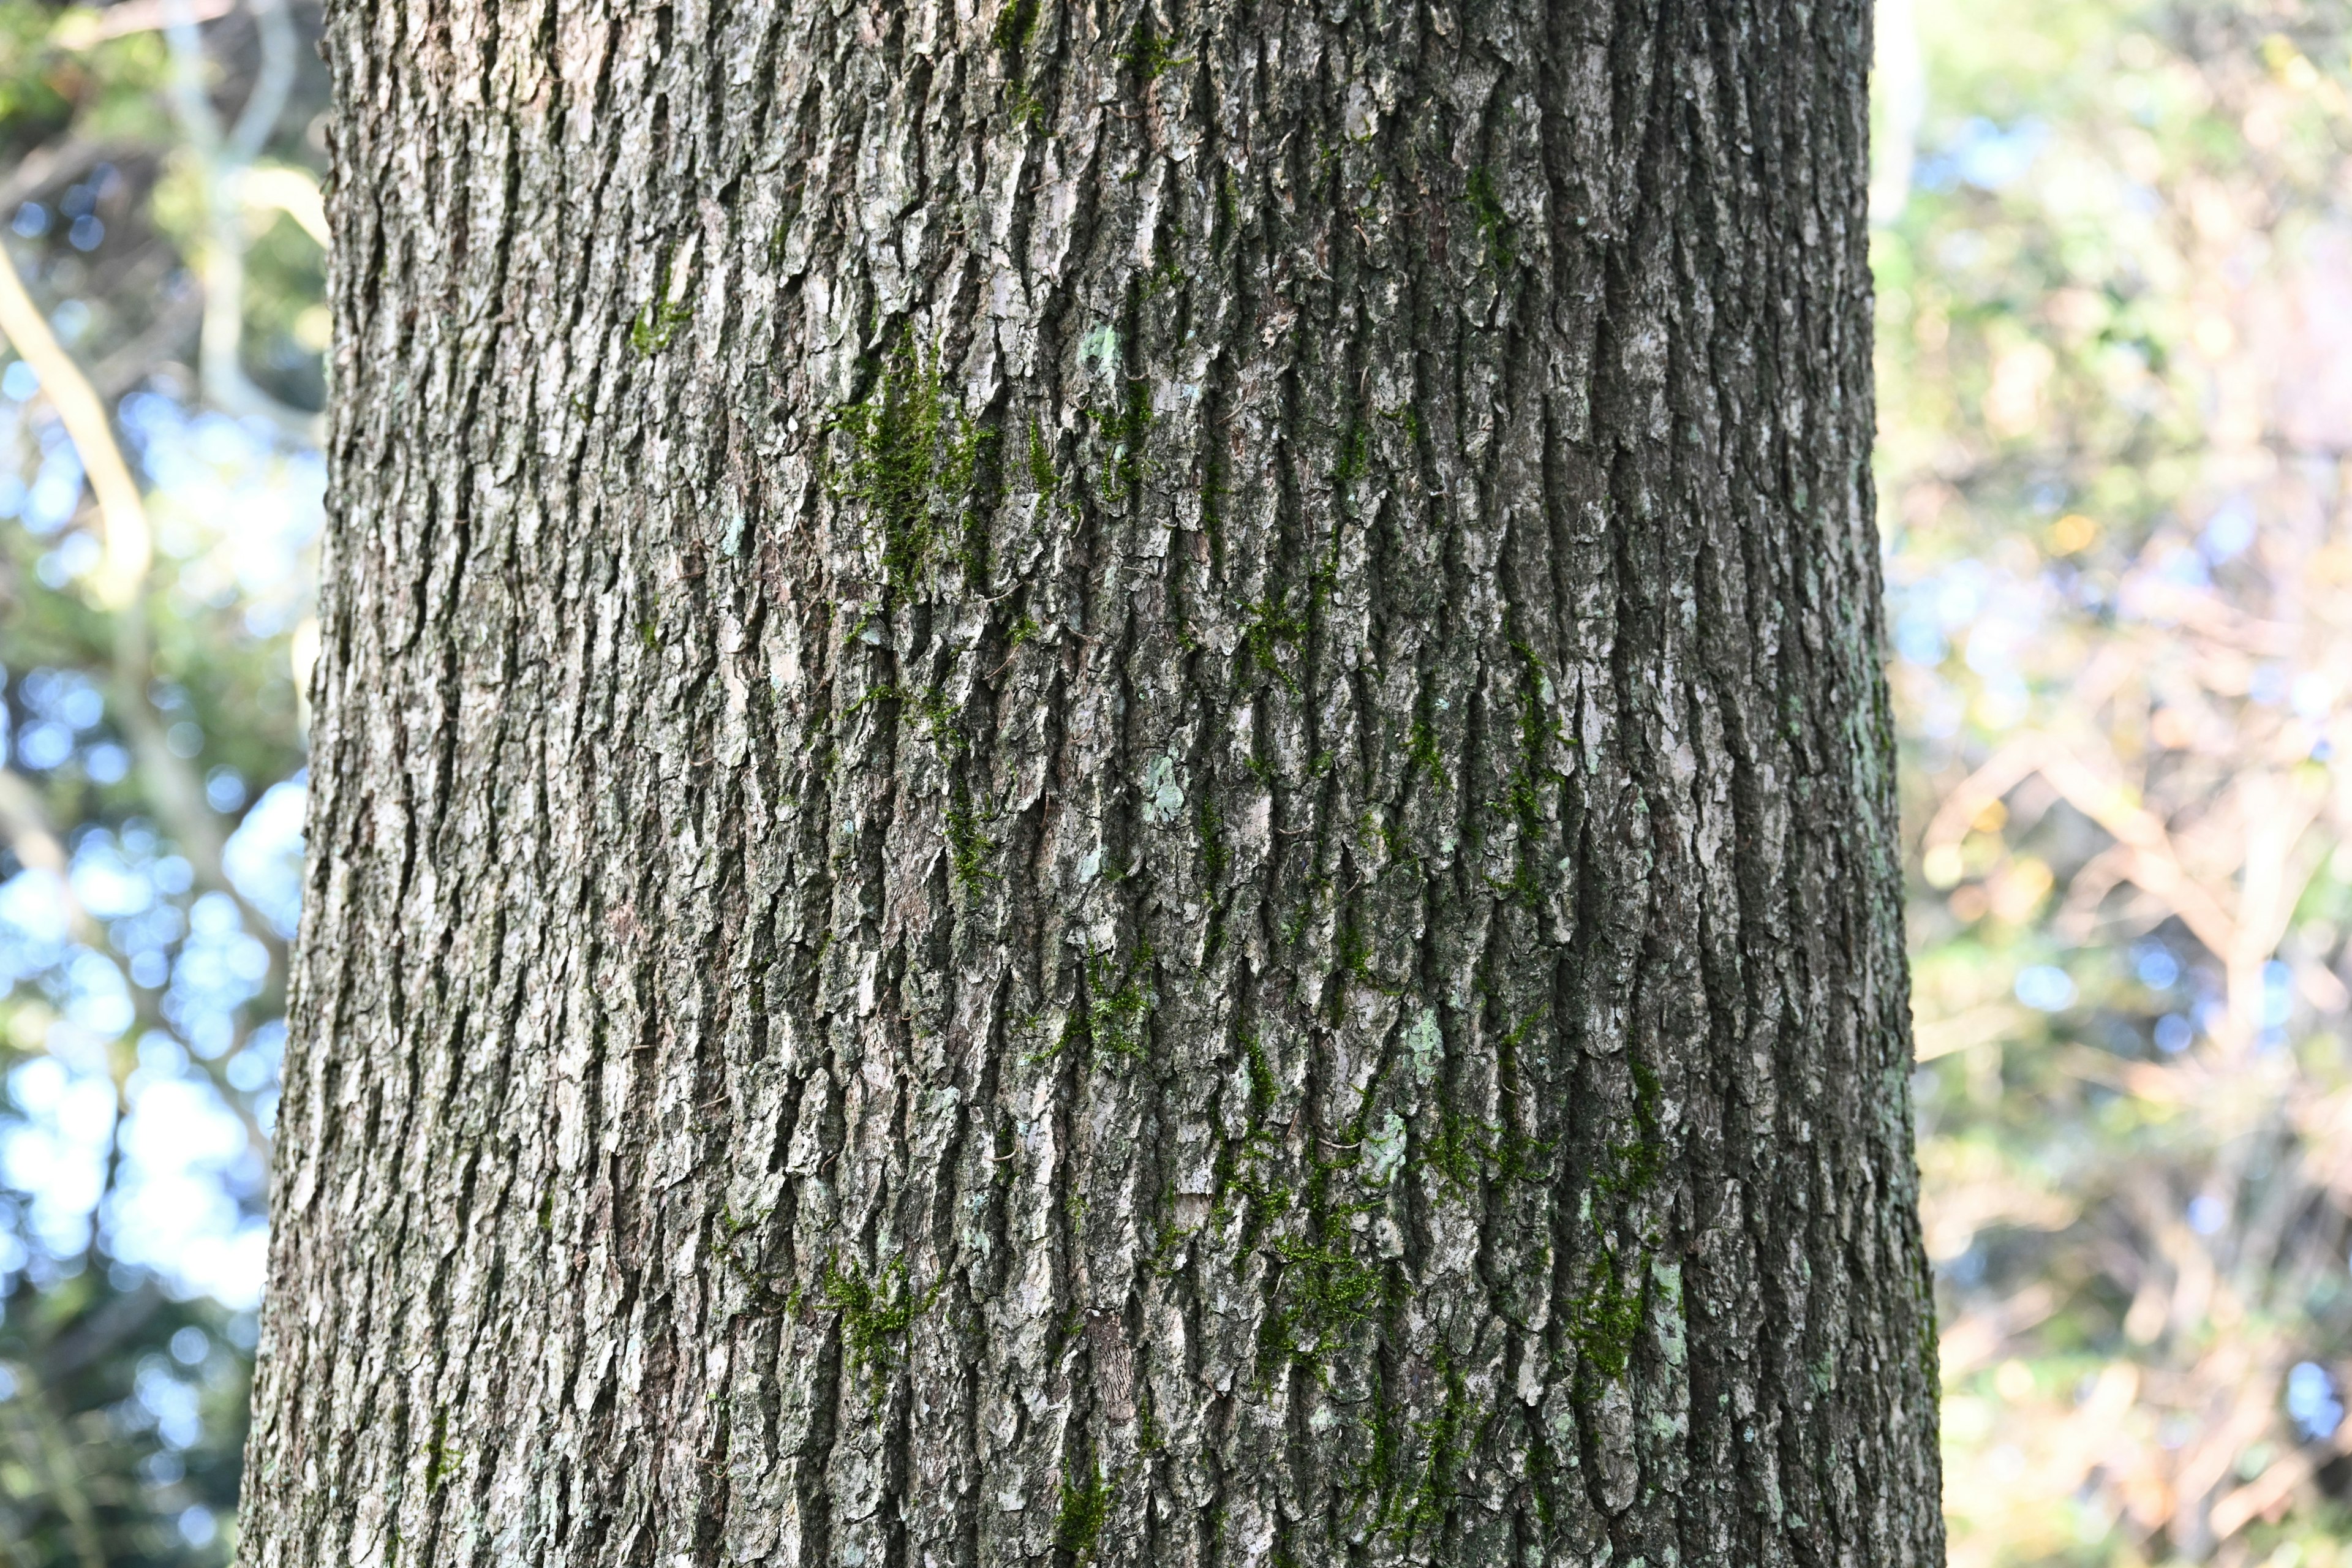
(1099,785)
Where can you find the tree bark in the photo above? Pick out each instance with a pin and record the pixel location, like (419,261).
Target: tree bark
(1099,785)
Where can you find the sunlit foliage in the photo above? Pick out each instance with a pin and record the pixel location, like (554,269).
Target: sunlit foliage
(2115,271)
(151,732)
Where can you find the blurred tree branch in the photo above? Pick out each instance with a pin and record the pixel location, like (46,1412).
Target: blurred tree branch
(225,161)
(129,546)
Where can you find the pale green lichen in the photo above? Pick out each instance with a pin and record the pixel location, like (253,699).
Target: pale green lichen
(1163,796)
(1422,1043)
(1384,1149)
(1667,1289)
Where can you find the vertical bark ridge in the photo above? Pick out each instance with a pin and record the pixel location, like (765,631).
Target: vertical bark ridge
(1098,784)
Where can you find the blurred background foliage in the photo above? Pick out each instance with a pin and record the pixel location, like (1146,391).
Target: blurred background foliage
(159,504)
(2114,253)
(2114,247)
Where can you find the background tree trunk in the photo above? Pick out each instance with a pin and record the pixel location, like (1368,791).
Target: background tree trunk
(1099,783)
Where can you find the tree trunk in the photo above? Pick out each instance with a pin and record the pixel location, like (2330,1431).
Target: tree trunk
(1099,785)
